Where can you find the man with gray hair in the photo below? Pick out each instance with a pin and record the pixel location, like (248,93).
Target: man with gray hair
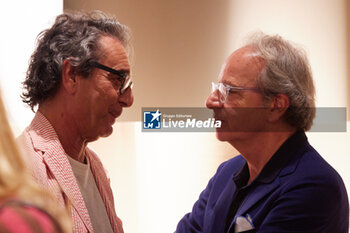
(79,77)
(279,183)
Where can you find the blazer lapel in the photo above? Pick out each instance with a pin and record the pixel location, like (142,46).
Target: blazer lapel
(222,207)
(268,185)
(45,139)
(255,196)
(63,173)
(266,188)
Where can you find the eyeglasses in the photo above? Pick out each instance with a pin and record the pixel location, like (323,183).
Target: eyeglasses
(126,79)
(224,90)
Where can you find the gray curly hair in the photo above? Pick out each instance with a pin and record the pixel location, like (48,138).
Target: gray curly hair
(73,36)
(286,71)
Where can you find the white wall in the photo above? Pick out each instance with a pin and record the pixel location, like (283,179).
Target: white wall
(156,177)
(335,149)
(20,22)
(319,26)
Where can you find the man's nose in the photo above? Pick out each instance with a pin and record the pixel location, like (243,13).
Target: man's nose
(127,98)
(213,101)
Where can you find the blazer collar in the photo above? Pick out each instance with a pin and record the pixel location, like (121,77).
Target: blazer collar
(222,205)
(283,162)
(45,139)
(276,165)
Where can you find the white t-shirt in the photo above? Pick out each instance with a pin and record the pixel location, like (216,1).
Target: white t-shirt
(92,198)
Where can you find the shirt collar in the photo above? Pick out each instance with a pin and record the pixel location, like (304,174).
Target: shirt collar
(281,157)
(241,178)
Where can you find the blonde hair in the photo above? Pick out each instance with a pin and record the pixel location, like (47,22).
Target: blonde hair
(15,179)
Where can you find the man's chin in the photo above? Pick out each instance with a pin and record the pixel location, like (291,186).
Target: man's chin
(226,136)
(108,132)
(223,136)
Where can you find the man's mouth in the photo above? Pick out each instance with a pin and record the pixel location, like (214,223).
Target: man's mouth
(218,117)
(115,114)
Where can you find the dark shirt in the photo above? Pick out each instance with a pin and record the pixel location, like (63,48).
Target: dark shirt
(267,174)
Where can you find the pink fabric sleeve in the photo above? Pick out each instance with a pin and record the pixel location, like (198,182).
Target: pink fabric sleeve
(25,219)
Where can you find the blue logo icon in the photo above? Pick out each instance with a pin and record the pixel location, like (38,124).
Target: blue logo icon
(152,120)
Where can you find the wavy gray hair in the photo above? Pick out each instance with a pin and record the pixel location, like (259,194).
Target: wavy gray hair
(73,36)
(286,71)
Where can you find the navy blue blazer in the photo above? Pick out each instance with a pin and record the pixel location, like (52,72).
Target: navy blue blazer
(305,195)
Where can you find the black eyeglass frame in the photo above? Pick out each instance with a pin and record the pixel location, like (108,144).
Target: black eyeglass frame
(126,82)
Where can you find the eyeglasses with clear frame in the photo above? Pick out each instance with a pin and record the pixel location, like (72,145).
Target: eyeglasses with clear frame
(126,79)
(223,90)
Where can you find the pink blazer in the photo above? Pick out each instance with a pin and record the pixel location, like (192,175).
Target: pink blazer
(52,170)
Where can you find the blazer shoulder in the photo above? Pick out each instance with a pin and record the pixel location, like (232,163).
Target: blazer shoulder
(317,174)
(234,163)
(312,164)
(230,167)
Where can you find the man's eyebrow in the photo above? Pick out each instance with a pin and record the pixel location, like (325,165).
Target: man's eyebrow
(127,71)
(122,70)
(121,73)
(228,82)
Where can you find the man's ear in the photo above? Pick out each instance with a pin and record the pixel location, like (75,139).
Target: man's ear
(278,106)
(69,77)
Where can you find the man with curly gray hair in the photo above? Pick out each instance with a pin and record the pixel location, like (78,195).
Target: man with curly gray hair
(79,82)
(279,183)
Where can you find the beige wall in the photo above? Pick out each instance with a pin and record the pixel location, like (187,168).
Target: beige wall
(180,45)
(179,48)
(347,9)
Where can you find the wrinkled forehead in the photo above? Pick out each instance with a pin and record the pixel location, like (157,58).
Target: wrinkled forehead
(242,66)
(113,53)
(245,58)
